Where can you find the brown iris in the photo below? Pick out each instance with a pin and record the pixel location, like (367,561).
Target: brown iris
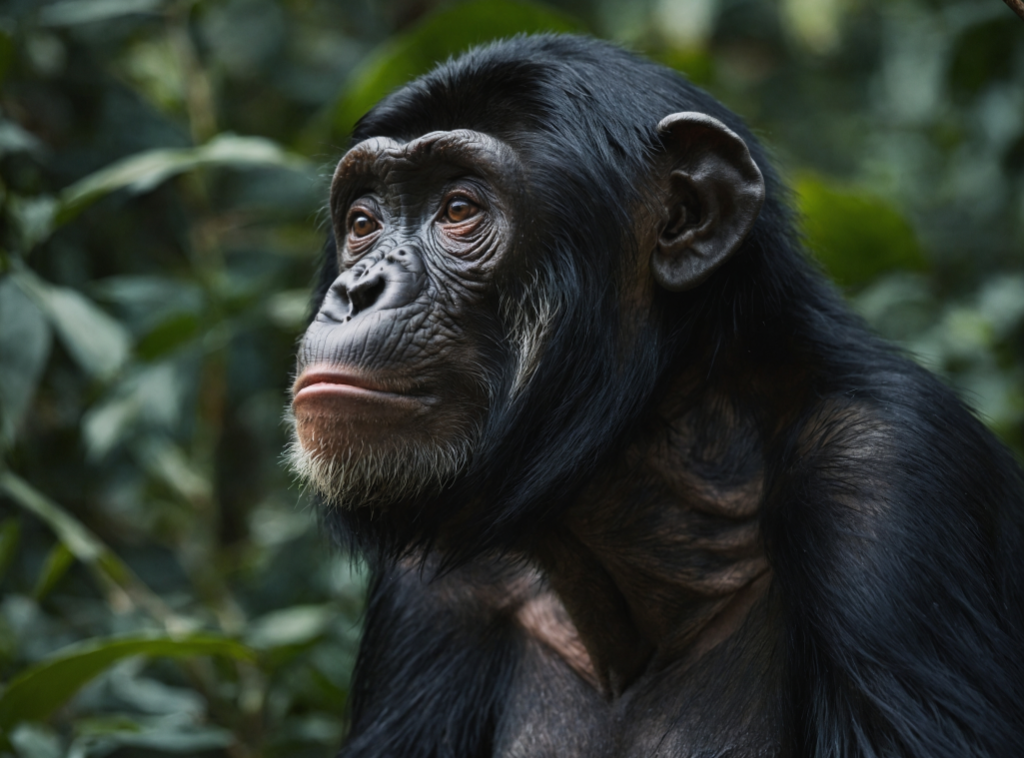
(460,209)
(362,224)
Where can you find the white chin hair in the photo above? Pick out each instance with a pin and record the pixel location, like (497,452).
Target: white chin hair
(372,478)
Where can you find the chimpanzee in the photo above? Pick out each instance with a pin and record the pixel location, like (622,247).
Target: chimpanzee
(631,478)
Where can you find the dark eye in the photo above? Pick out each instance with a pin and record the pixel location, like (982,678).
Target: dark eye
(361,224)
(459,209)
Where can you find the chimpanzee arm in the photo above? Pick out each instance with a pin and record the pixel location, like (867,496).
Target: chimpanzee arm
(433,669)
(892,531)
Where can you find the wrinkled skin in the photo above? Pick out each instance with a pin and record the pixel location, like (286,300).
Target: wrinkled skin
(393,367)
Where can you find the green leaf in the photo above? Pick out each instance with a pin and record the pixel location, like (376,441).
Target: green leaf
(145,171)
(81,542)
(56,565)
(170,334)
(165,460)
(167,735)
(35,693)
(150,396)
(97,342)
(72,12)
(76,537)
(289,309)
(33,217)
(106,424)
(106,724)
(439,36)
(290,626)
(1001,301)
(696,63)
(24,347)
(143,303)
(10,532)
(36,741)
(153,696)
(855,235)
(14,139)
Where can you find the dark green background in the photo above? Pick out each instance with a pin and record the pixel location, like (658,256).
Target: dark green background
(163,170)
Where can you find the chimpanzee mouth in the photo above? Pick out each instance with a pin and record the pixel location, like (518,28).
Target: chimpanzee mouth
(319,384)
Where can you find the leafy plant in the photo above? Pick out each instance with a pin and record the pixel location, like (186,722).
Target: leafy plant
(163,584)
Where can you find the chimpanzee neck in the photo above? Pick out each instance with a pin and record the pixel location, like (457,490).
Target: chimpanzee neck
(660,560)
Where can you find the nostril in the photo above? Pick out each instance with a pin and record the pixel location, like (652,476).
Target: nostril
(395,255)
(365,294)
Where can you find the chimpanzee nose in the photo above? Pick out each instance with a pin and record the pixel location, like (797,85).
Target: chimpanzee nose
(378,282)
(365,290)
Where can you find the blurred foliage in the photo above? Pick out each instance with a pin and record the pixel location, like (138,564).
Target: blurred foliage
(163,586)
(856,236)
(443,34)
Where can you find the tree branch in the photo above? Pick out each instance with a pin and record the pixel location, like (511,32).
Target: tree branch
(1017,6)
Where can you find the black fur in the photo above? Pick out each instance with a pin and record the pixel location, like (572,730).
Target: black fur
(435,694)
(896,545)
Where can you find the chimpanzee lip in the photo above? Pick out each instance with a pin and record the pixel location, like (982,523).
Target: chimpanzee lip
(318,380)
(313,376)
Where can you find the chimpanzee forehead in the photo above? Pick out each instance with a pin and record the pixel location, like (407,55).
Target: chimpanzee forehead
(378,157)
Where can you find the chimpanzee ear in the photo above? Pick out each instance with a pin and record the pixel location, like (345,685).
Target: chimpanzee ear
(714,195)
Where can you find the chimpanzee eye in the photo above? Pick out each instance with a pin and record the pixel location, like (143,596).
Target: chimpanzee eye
(459,209)
(361,224)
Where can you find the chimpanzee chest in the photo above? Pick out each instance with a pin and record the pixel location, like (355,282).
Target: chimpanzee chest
(552,712)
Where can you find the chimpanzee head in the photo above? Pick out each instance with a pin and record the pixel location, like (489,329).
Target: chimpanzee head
(523,240)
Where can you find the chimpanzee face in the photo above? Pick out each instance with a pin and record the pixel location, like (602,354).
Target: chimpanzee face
(393,372)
